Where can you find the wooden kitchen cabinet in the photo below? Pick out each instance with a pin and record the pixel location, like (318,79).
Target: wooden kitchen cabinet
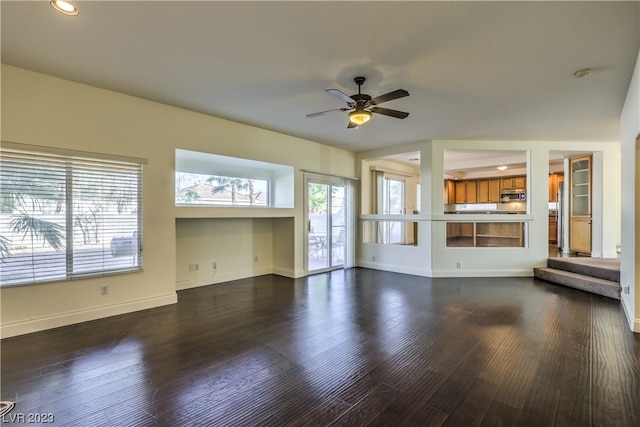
(461,191)
(513,183)
(494,190)
(553,229)
(483,191)
(474,191)
(554,181)
(471,191)
(466,191)
(449,192)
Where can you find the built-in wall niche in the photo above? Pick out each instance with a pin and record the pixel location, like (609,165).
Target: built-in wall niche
(391,185)
(206,179)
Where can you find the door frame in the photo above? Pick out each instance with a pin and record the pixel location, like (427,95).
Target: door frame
(349,220)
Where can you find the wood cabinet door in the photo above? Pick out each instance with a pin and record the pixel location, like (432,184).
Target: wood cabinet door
(471,191)
(554,182)
(506,183)
(494,190)
(451,192)
(553,229)
(553,187)
(519,182)
(483,191)
(460,191)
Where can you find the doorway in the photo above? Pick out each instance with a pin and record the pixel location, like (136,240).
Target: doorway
(329,230)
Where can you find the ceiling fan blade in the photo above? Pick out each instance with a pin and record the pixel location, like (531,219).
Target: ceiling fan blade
(400,93)
(320,113)
(339,94)
(351,125)
(387,112)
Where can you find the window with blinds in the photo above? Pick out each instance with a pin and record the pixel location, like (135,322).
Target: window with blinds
(67,216)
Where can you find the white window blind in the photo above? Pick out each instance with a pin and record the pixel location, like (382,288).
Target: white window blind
(65,216)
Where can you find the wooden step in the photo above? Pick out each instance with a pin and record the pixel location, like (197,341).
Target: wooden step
(603,268)
(595,285)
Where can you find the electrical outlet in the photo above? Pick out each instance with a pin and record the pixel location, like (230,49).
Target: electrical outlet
(214,265)
(104,290)
(255,258)
(196,267)
(190,267)
(373,258)
(626,289)
(458,265)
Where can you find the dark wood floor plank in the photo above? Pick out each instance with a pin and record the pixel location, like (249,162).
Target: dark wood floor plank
(323,414)
(351,347)
(368,408)
(501,415)
(472,408)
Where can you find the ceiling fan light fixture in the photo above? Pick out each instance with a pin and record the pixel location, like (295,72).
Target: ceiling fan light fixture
(360,116)
(64,7)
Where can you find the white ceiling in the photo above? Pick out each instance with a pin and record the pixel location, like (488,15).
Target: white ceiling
(475,70)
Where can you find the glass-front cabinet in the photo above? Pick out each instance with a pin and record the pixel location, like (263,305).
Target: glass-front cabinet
(580,206)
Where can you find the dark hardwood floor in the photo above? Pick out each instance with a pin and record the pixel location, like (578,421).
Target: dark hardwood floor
(355,347)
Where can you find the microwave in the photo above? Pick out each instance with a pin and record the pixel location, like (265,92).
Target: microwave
(507,196)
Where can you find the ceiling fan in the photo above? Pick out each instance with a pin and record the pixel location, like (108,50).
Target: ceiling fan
(363,105)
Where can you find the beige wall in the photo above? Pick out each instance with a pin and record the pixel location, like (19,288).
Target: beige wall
(43,110)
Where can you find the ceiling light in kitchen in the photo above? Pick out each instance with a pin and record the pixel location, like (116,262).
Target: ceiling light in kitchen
(64,7)
(501,168)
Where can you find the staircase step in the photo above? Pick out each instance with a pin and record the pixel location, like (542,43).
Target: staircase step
(594,267)
(591,284)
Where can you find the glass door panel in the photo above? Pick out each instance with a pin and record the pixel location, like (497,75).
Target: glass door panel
(338,226)
(317,225)
(326,225)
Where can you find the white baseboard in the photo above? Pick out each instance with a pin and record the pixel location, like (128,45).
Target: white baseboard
(483,273)
(447,273)
(634,323)
(65,319)
(396,269)
(224,277)
(610,254)
(286,272)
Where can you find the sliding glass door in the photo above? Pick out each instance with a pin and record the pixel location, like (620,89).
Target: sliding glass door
(328,234)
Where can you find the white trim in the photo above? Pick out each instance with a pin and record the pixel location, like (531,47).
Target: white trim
(287,272)
(447,273)
(70,318)
(634,324)
(527,272)
(396,269)
(220,278)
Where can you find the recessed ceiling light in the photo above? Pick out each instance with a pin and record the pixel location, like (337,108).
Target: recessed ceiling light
(585,72)
(64,7)
(501,168)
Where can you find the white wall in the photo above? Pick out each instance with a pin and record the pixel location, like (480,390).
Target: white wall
(629,271)
(43,110)
(407,258)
